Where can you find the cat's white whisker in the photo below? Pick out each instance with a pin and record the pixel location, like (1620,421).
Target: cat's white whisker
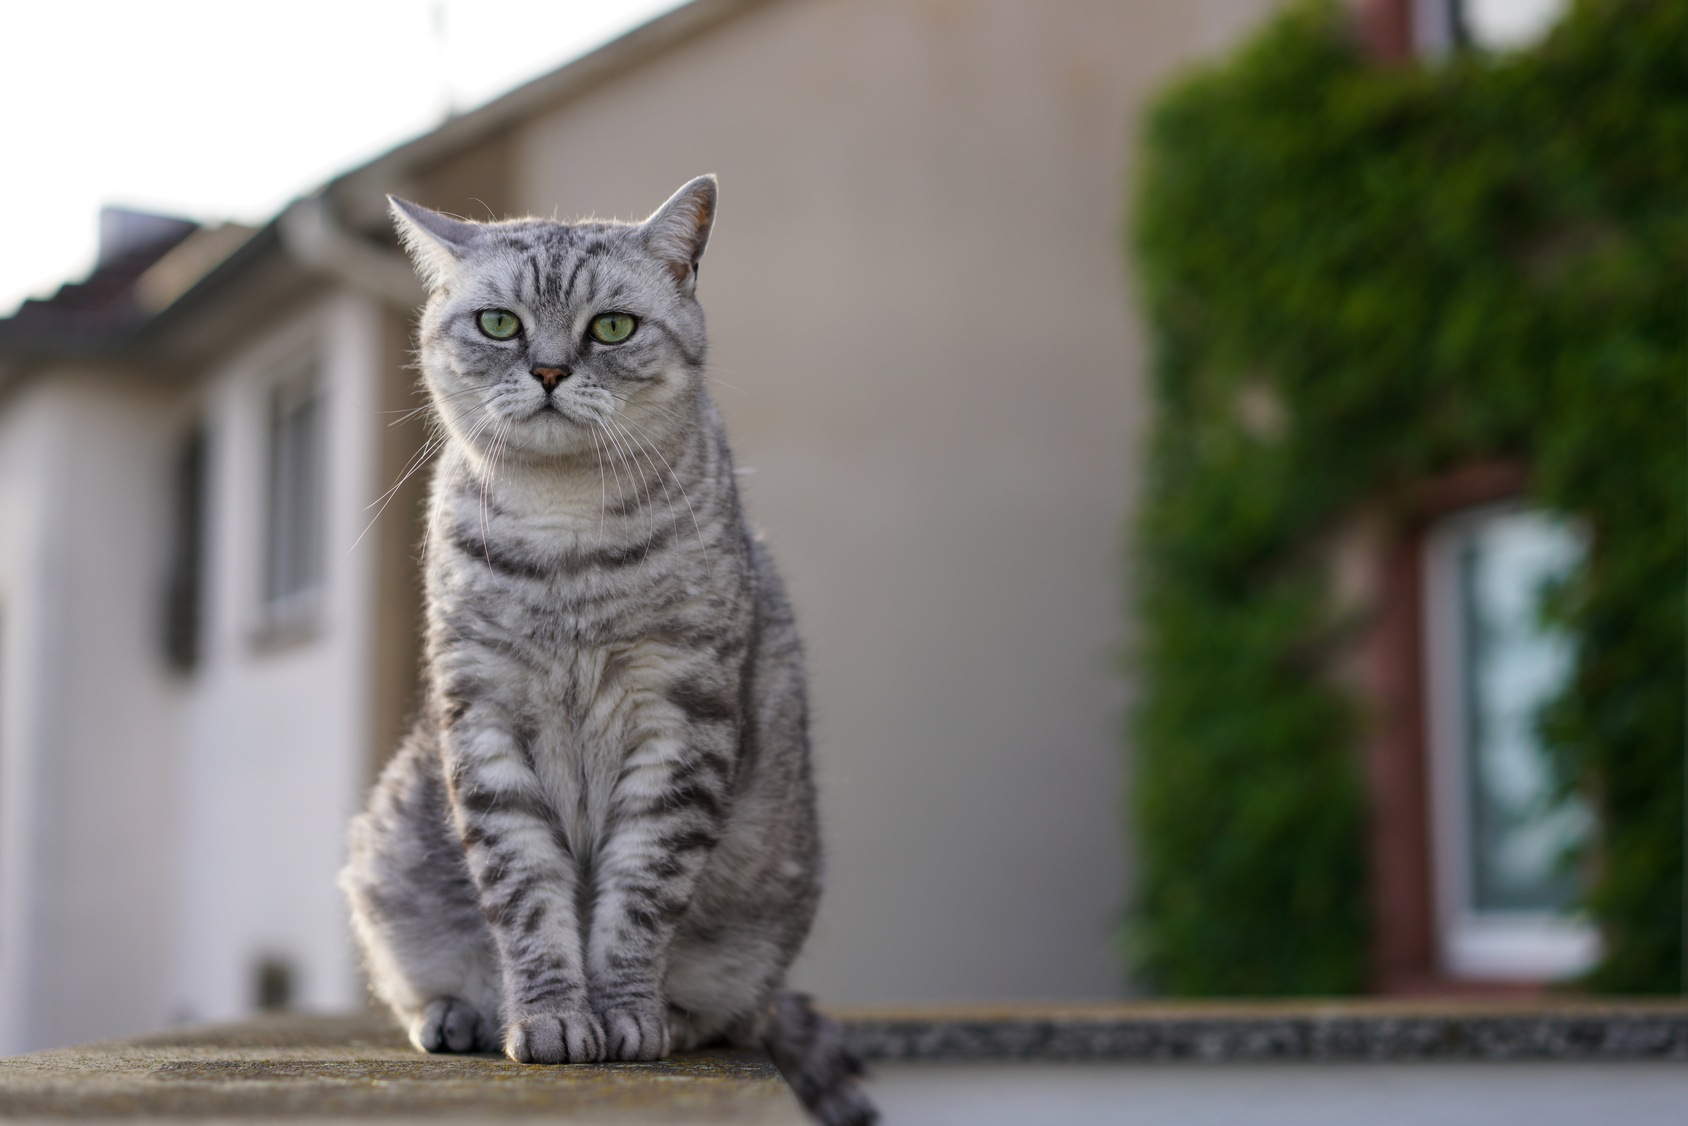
(662,479)
(489,471)
(650,494)
(727,385)
(621,453)
(429,447)
(603,489)
(682,485)
(409,413)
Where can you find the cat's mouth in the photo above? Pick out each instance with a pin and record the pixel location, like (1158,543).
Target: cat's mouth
(552,409)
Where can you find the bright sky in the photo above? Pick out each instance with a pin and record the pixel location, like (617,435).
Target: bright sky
(229,110)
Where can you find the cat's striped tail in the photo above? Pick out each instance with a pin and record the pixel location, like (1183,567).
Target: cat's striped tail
(809,1050)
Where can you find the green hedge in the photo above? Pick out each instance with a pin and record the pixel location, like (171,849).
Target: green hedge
(1419,266)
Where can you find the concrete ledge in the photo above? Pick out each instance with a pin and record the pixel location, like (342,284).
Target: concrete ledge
(1376,1030)
(289,1067)
(343,1068)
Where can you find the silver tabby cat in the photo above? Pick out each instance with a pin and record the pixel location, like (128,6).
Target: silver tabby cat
(599,841)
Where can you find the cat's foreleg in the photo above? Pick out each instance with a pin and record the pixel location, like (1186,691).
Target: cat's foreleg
(526,878)
(416,915)
(667,817)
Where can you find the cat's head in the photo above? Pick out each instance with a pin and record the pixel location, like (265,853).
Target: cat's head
(540,338)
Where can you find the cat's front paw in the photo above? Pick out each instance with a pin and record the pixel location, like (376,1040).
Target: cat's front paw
(450,1025)
(636,1032)
(571,1036)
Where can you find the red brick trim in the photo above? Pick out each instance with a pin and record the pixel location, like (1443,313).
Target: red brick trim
(1385,29)
(1397,750)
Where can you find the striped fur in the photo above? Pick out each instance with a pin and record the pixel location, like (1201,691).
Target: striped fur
(599,841)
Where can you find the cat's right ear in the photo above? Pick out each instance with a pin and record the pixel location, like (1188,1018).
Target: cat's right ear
(435,242)
(679,230)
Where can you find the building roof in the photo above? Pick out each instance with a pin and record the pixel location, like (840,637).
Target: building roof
(154,281)
(363,189)
(105,304)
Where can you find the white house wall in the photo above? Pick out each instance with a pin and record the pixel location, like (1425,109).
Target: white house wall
(26,656)
(88,792)
(276,737)
(926,350)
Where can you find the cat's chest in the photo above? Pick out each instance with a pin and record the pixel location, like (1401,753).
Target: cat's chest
(579,652)
(583,715)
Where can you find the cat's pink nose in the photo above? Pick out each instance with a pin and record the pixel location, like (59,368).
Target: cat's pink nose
(550,377)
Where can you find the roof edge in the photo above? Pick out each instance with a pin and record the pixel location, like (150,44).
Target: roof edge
(455,134)
(361,191)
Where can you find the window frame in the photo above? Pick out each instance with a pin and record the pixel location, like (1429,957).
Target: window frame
(184,609)
(1473,944)
(1443,27)
(1396,31)
(288,616)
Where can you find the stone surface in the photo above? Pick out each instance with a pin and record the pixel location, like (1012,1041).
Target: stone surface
(360,1067)
(1377,1030)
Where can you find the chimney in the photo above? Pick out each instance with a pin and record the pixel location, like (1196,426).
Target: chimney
(124,232)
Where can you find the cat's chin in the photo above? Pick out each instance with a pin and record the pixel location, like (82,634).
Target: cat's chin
(548,435)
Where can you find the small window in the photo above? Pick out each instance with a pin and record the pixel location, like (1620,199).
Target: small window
(183,591)
(273,981)
(293,554)
(1441,26)
(1506,835)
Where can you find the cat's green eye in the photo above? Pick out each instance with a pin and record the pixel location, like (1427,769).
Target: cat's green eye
(612,328)
(500,324)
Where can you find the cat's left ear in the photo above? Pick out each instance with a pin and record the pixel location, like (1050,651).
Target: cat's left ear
(678,232)
(435,242)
